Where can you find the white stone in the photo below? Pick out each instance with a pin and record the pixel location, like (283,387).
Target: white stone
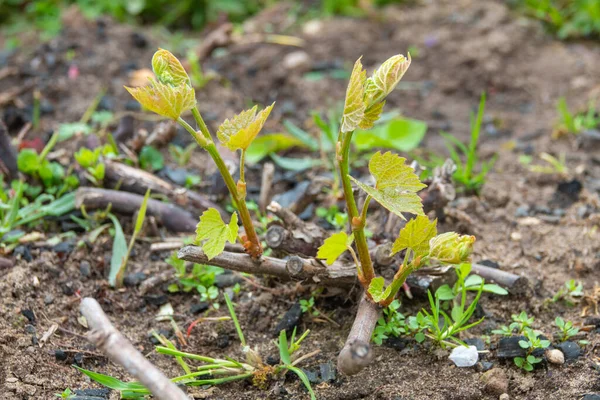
(463,356)
(555,356)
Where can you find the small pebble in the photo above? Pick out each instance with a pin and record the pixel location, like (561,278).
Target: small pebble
(49,299)
(495,381)
(555,356)
(571,350)
(85,269)
(290,319)
(504,396)
(463,356)
(29,315)
(60,355)
(198,308)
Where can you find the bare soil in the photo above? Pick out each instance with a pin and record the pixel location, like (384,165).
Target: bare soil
(465,47)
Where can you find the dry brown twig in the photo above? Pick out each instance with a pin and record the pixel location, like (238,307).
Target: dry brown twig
(108,339)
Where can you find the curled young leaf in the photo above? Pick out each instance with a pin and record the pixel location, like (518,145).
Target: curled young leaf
(371,116)
(451,248)
(385,78)
(354,106)
(416,236)
(396,184)
(168,69)
(212,232)
(334,246)
(239,131)
(166,100)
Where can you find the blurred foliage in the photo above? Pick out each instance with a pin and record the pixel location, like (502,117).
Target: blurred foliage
(17,16)
(568,19)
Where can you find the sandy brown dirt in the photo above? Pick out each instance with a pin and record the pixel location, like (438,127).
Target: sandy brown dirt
(465,47)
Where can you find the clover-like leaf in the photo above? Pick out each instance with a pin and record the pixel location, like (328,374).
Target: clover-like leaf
(163,99)
(385,78)
(371,116)
(239,131)
(354,107)
(416,236)
(451,248)
(334,246)
(396,184)
(168,69)
(212,232)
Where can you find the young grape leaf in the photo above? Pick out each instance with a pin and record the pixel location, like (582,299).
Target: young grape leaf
(334,246)
(376,289)
(354,107)
(168,69)
(396,184)
(371,116)
(416,236)
(239,131)
(163,99)
(385,78)
(214,232)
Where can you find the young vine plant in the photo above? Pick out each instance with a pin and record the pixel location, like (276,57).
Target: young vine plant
(396,187)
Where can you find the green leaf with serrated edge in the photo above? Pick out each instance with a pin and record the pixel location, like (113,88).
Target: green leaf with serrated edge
(239,131)
(334,246)
(396,184)
(385,78)
(168,69)
(212,232)
(354,106)
(163,99)
(416,236)
(371,116)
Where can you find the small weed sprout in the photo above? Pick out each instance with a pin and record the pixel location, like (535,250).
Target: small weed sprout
(521,322)
(575,123)
(180,155)
(571,293)
(531,343)
(66,394)
(465,174)
(308,307)
(566,329)
(442,328)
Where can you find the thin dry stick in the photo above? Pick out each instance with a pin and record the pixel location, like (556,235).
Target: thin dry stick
(108,339)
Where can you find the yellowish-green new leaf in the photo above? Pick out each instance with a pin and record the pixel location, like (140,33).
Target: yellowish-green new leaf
(334,246)
(385,78)
(168,69)
(166,100)
(354,107)
(371,116)
(212,232)
(451,248)
(396,184)
(239,131)
(376,289)
(416,236)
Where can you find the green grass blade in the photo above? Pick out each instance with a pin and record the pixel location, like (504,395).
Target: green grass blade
(119,251)
(114,383)
(475,131)
(304,380)
(235,320)
(284,352)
